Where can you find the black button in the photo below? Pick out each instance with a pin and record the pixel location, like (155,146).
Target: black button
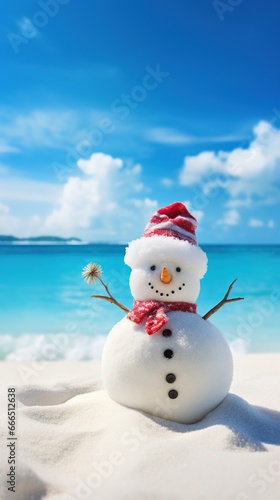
(173,394)
(167,333)
(170,378)
(168,353)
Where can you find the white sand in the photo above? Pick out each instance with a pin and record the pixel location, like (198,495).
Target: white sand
(75,443)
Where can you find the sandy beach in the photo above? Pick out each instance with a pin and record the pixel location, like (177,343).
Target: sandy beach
(73,442)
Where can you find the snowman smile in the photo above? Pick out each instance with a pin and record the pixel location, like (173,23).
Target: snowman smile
(171,292)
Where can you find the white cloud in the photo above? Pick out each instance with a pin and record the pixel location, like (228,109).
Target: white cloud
(75,131)
(49,128)
(22,226)
(196,167)
(101,202)
(100,165)
(7,148)
(14,189)
(260,223)
(4,209)
(245,174)
(166,182)
(239,202)
(101,205)
(255,223)
(230,218)
(8,223)
(170,136)
(20,222)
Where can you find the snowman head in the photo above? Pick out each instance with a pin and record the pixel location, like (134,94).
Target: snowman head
(166,262)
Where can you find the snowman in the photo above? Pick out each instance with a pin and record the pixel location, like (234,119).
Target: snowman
(163,358)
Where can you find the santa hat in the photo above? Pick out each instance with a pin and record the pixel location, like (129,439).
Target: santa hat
(170,231)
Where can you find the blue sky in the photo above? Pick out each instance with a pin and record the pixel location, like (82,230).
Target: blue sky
(112,109)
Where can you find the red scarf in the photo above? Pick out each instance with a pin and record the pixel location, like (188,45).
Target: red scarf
(154,312)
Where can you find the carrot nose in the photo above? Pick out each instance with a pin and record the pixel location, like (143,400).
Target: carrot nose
(165,275)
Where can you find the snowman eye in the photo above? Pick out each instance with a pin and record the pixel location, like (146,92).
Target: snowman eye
(178,269)
(153,268)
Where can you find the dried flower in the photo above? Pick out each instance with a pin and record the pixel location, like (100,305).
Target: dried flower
(91,272)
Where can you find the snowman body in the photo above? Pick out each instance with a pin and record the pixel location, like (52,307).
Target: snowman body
(183,370)
(179,373)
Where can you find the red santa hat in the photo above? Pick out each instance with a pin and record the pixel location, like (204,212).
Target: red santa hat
(169,235)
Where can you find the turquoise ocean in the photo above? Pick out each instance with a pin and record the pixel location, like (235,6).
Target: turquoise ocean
(46,311)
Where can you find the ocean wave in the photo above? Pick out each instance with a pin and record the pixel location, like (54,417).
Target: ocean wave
(51,347)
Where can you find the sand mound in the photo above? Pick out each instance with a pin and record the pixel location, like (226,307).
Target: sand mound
(75,443)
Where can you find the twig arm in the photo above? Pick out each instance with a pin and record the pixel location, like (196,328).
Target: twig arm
(224,301)
(91,273)
(112,301)
(110,297)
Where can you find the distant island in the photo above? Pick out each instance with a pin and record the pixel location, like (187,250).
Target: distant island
(13,240)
